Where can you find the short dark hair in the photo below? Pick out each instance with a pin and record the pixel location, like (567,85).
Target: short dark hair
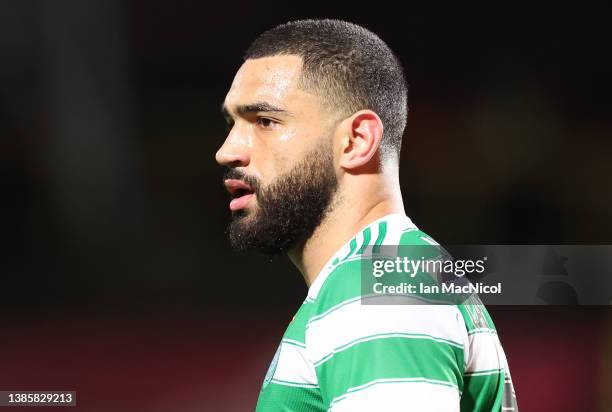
(348,66)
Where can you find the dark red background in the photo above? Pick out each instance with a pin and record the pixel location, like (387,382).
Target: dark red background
(559,359)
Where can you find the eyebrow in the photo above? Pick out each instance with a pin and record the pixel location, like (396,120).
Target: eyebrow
(253,108)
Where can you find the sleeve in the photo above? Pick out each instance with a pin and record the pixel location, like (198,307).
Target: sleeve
(487,381)
(388,358)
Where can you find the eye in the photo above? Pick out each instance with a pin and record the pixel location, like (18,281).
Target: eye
(229,123)
(266,123)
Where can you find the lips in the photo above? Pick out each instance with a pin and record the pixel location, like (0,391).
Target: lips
(240,192)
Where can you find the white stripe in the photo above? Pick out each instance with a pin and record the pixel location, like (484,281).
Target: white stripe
(294,366)
(399,395)
(482,330)
(294,342)
(293,384)
(355,321)
(485,373)
(485,353)
(346,302)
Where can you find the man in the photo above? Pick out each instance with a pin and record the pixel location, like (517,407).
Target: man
(316,114)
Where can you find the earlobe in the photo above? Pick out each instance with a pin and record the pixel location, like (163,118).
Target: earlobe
(364,131)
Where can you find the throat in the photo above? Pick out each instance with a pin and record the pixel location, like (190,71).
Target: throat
(310,255)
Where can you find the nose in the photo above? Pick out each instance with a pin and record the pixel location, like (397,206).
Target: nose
(235,151)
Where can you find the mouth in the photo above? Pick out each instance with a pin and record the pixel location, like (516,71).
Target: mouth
(240,192)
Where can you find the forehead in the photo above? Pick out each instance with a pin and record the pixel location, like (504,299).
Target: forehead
(268,79)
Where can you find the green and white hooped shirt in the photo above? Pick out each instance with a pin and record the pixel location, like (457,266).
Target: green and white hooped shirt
(339,355)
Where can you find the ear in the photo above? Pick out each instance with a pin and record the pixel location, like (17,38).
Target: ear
(362,134)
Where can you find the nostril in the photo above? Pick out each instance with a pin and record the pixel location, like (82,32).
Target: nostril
(236,163)
(232,160)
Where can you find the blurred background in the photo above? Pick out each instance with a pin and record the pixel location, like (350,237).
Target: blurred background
(117,279)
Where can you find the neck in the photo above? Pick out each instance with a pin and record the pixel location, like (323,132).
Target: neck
(348,215)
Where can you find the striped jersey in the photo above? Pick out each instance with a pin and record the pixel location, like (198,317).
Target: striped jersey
(340,355)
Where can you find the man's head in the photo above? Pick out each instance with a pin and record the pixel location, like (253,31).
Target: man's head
(308,106)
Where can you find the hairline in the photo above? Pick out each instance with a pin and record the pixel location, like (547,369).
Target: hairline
(340,109)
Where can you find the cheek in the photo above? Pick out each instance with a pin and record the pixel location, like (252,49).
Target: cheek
(278,154)
(272,159)
(288,136)
(280,163)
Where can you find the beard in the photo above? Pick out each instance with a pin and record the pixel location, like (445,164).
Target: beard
(289,209)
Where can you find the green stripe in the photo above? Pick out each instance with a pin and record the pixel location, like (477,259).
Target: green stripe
(277,397)
(345,282)
(483,393)
(342,284)
(390,358)
(367,234)
(412,237)
(370,284)
(297,327)
(352,247)
(382,232)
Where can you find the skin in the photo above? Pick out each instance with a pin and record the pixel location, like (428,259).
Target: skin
(265,142)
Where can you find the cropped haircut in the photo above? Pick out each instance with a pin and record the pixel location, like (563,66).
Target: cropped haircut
(348,66)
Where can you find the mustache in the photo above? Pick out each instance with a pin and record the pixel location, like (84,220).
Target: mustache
(241,175)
